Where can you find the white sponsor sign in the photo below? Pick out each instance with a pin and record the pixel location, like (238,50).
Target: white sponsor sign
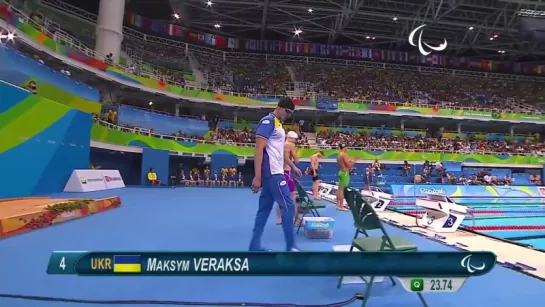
(93,180)
(113,179)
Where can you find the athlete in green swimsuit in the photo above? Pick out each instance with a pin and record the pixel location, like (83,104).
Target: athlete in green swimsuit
(344,179)
(345,166)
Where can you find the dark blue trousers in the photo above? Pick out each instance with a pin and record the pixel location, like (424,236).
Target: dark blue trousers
(274,189)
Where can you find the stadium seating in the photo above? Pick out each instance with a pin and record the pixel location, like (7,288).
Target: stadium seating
(376,85)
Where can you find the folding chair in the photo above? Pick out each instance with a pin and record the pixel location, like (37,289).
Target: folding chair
(365,219)
(307,204)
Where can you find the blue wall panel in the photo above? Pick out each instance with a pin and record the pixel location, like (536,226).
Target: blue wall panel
(158,160)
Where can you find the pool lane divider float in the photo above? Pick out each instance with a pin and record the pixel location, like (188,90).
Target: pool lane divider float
(499,227)
(473,211)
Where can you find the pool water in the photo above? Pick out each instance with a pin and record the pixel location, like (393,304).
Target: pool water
(516,212)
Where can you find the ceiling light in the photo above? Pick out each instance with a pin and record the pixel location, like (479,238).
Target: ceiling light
(495,36)
(373,38)
(501,51)
(176,16)
(367,37)
(217,26)
(394,19)
(150,103)
(10,36)
(310,11)
(471,28)
(209,3)
(297,32)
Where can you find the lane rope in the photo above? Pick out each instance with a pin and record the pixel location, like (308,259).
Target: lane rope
(498,227)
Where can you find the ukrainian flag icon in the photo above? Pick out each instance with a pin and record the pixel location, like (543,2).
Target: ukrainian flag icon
(127,264)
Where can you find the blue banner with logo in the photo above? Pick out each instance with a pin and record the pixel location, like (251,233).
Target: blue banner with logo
(326,103)
(474,193)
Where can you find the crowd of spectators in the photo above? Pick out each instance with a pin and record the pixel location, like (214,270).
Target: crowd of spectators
(372,84)
(367,84)
(170,62)
(419,143)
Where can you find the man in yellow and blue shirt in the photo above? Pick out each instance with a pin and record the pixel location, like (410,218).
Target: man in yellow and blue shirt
(269,175)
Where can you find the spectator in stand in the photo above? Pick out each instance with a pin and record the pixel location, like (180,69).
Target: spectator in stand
(32,87)
(406,168)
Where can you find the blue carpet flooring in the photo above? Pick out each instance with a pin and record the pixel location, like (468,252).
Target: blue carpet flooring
(214,219)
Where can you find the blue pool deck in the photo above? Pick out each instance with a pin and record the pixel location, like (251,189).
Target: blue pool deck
(212,219)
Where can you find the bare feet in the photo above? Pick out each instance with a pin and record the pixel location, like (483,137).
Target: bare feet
(342,209)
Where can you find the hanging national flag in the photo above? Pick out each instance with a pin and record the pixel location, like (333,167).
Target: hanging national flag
(170,29)
(138,21)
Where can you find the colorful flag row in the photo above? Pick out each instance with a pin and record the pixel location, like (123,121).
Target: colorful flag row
(304,48)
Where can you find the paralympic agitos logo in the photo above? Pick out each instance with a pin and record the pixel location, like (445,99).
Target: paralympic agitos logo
(424,47)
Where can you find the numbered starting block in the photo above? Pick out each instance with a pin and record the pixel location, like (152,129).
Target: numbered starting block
(442,213)
(327,192)
(380,199)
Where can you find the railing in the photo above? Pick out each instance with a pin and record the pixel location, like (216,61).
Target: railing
(74,43)
(231,143)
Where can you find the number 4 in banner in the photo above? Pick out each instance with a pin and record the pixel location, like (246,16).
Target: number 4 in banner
(62,263)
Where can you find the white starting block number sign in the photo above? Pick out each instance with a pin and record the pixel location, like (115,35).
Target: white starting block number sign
(439,221)
(442,214)
(379,205)
(380,199)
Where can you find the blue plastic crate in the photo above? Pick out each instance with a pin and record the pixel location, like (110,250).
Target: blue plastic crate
(319,227)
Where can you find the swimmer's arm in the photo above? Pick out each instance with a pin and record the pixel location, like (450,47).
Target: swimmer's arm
(293,154)
(347,161)
(289,162)
(314,163)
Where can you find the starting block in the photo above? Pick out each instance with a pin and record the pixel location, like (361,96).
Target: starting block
(442,213)
(327,192)
(381,198)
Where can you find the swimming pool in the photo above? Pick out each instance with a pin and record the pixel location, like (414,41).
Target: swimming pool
(502,218)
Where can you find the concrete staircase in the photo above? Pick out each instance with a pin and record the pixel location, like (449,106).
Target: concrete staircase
(292,73)
(197,73)
(311,137)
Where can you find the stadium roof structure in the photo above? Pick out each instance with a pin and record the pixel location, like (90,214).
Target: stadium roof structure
(480,27)
(487,28)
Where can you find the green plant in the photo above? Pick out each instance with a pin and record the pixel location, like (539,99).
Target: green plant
(68,206)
